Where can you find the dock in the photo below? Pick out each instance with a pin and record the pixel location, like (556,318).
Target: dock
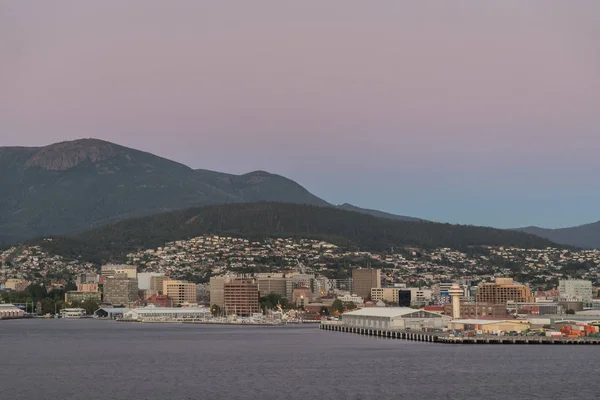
(446,338)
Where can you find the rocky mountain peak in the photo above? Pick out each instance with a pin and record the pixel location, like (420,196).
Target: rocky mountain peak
(65,155)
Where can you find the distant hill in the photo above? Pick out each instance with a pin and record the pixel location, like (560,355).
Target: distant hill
(259,220)
(585,236)
(77,185)
(378,214)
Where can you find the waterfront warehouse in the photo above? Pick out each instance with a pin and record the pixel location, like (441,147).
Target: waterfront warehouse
(401,318)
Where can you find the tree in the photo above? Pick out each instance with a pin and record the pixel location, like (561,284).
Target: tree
(89,306)
(349,305)
(215,310)
(48,305)
(337,306)
(324,311)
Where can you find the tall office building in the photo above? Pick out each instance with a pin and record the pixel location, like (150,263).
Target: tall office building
(365,279)
(241,297)
(217,289)
(180,291)
(503,290)
(119,289)
(576,290)
(156,284)
(267,285)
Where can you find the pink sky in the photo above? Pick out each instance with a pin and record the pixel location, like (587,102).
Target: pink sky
(443,110)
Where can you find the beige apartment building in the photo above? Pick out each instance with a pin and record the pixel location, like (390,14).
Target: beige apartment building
(503,290)
(180,291)
(365,279)
(217,290)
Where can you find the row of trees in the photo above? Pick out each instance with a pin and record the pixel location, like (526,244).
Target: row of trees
(51,301)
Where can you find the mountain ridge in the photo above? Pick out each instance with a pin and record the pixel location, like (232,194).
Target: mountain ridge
(77,185)
(267,219)
(584,236)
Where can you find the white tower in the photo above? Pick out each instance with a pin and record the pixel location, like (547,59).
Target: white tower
(455,293)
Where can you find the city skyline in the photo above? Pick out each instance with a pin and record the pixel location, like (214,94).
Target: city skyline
(482,114)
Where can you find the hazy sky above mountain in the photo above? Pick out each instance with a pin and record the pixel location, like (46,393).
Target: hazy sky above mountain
(479,112)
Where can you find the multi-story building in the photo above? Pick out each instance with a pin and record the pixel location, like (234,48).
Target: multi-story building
(503,290)
(180,291)
(87,287)
(241,297)
(217,289)
(576,290)
(396,295)
(144,279)
(268,284)
(87,278)
(299,281)
(161,300)
(156,283)
(112,270)
(343,285)
(365,279)
(301,296)
(80,296)
(477,310)
(120,289)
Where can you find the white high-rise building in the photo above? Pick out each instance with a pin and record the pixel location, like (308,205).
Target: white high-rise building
(576,289)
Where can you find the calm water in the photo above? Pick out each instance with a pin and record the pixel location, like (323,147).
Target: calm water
(89,359)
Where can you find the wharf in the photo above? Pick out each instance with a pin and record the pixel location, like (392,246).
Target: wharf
(442,337)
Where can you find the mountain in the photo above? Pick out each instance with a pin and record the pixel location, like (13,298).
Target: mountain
(585,236)
(258,220)
(77,185)
(378,214)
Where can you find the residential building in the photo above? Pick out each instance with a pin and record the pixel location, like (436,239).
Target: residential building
(576,290)
(180,291)
(503,290)
(365,279)
(241,297)
(120,289)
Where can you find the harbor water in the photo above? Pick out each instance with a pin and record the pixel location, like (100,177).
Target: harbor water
(91,359)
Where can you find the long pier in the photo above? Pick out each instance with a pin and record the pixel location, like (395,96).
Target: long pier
(440,337)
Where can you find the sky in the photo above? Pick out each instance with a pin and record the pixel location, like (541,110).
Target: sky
(475,112)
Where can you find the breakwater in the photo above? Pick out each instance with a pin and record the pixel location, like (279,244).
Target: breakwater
(442,337)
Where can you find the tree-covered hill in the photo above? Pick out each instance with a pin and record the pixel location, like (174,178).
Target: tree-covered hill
(263,219)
